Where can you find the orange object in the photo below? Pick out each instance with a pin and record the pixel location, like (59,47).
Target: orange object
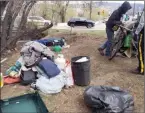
(10,80)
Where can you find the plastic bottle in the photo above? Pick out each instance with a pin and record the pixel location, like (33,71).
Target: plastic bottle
(60,61)
(1,80)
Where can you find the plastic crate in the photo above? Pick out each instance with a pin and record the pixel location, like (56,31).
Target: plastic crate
(28,103)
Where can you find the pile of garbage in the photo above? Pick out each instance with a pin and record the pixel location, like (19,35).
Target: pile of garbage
(39,67)
(44,70)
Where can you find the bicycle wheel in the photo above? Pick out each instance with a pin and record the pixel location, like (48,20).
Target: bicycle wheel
(115,49)
(116,43)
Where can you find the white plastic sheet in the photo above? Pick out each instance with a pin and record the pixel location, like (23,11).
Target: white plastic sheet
(53,85)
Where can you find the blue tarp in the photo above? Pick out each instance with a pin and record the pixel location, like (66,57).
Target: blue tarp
(50,41)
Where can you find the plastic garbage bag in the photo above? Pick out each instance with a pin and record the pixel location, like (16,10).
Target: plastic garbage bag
(105,99)
(53,85)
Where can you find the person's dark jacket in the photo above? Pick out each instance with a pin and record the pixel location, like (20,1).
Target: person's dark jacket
(117,14)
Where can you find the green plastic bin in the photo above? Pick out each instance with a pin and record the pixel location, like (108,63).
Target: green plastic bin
(28,103)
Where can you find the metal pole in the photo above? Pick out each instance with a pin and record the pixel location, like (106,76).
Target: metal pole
(71,31)
(134,9)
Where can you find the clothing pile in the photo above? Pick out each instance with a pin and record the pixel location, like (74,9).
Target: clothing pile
(36,67)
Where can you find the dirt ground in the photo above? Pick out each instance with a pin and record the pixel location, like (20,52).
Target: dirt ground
(103,72)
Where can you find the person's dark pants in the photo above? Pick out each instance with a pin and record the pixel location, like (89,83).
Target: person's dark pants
(107,45)
(141,52)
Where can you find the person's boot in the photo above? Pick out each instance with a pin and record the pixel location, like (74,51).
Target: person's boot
(136,71)
(101,51)
(109,58)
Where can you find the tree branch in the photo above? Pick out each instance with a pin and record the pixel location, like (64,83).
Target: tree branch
(3,5)
(16,12)
(27,33)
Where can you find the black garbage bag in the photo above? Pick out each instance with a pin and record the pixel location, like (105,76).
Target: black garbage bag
(105,99)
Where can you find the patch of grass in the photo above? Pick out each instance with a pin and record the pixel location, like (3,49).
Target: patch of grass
(52,31)
(98,33)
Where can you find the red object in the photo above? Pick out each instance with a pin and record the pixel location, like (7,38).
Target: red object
(10,80)
(68,63)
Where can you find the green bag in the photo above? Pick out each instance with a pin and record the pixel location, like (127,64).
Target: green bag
(127,41)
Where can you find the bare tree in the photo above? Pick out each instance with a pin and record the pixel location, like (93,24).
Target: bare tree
(87,6)
(90,9)
(9,36)
(54,11)
(84,8)
(45,9)
(12,11)
(3,5)
(62,8)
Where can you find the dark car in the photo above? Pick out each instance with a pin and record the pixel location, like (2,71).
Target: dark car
(80,22)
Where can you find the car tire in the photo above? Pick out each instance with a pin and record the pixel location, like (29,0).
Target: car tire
(72,25)
(89,26)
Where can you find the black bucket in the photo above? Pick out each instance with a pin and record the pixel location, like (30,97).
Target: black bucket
(81,71)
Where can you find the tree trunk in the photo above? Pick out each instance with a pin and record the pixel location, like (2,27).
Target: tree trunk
(65,9)
(3,6)
(5,24)
(32,33)
(90,9)
(8,38)
(62,15)
(62,10)
(12,11)
(22,25)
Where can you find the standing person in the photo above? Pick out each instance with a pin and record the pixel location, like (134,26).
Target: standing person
(140,32)
(111,25)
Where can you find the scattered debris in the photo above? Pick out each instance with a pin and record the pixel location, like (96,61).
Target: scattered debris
(4,60)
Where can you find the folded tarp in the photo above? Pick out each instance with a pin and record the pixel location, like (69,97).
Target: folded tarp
(53,85)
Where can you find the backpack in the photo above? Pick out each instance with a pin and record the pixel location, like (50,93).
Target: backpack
(27,77)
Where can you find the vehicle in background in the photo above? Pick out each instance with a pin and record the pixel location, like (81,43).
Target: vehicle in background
(79,21)
(38,20)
